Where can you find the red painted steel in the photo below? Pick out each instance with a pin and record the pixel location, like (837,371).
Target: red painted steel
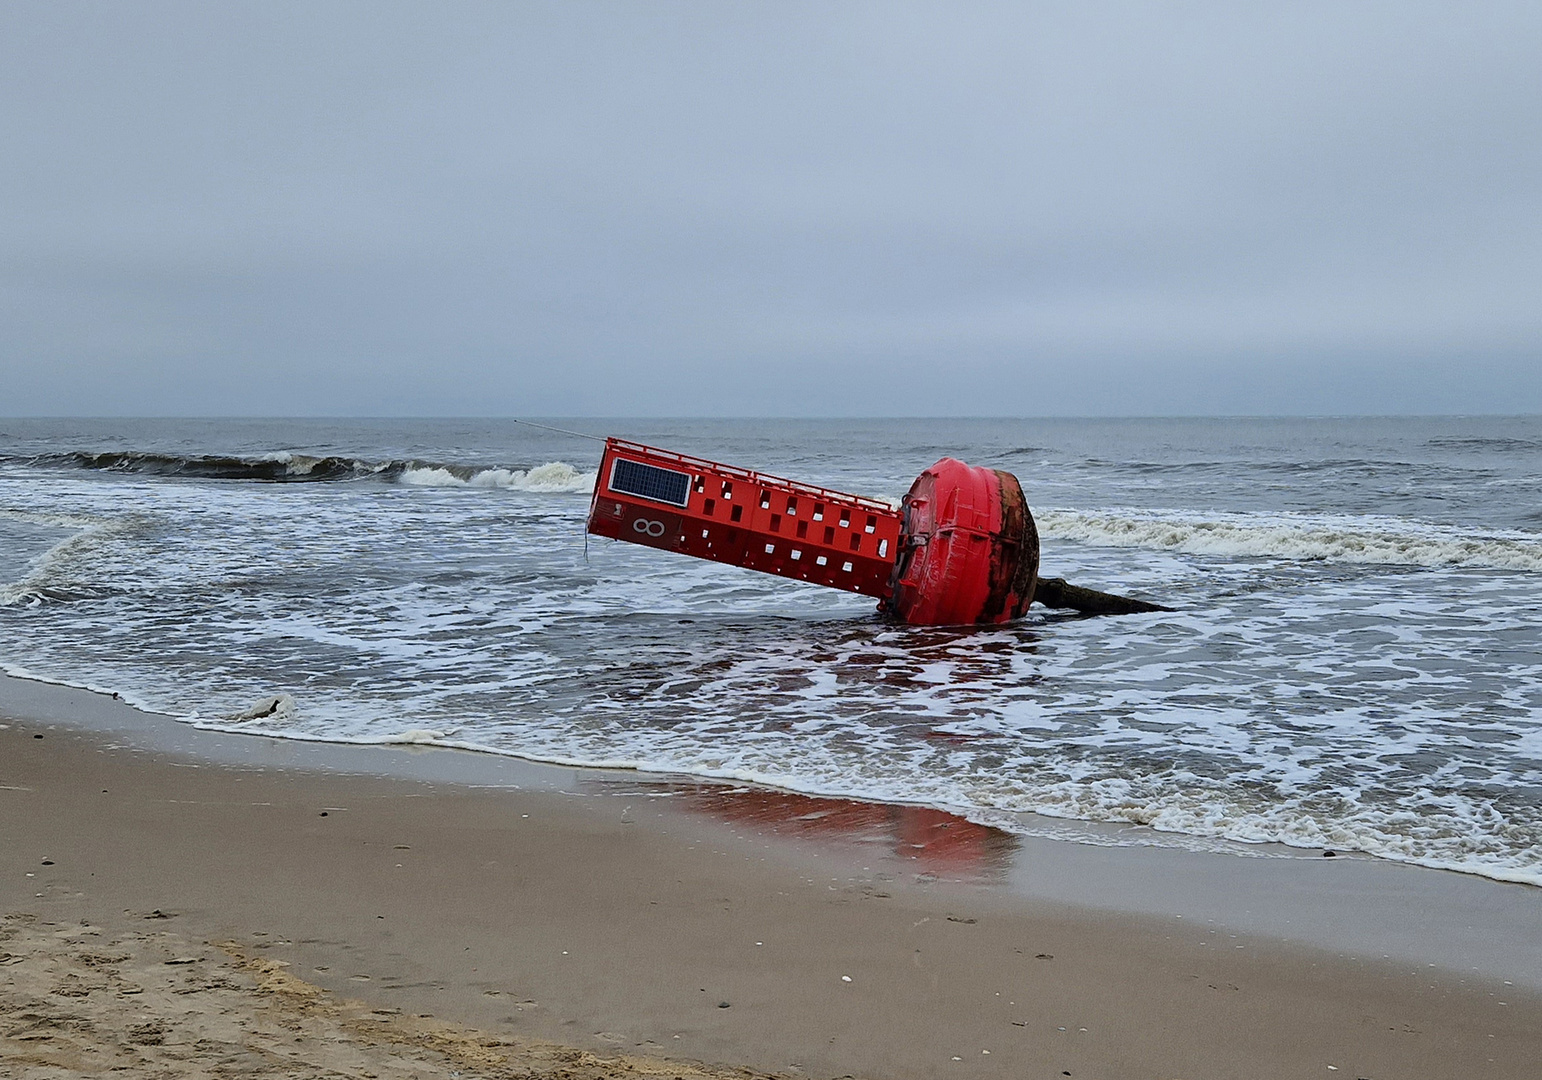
(750,519)
(970,552)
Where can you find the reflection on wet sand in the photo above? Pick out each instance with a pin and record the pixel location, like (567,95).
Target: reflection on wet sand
(931,842)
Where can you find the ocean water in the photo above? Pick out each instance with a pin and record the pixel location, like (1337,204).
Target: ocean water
(1354,660)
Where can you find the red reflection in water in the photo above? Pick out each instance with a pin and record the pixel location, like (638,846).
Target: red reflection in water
(933,841)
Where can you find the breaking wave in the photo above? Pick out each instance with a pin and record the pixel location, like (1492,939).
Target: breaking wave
(51,576)
(555,476)
(271,467)
(1383,541)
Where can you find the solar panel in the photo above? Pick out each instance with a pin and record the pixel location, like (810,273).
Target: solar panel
(650,482)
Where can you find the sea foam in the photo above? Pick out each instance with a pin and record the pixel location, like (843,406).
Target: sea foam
(1302,692)
(49,575)
(1367,540)
(554,476)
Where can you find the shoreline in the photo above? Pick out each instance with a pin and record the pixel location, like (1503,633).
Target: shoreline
(142,722)
(701,922)
(1459,921)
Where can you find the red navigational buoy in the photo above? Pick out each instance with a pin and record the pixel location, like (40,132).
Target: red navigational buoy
(961,549)
(969,551)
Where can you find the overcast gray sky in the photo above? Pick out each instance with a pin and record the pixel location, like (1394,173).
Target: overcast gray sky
(778,208)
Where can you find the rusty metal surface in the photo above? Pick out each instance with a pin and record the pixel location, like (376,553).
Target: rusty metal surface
(1014,555)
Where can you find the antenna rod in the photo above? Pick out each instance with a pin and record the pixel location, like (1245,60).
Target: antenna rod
(558,430)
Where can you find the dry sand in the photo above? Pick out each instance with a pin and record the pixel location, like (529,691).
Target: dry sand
(78,1001)
(354,925)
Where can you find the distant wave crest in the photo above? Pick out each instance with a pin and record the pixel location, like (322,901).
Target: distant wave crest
(1502,445)
(283,467)
(1282,536)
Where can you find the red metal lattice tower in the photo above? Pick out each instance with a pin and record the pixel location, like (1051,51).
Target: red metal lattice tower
(713,511)
(963,548)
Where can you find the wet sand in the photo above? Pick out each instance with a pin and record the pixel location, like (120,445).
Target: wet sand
(624,920)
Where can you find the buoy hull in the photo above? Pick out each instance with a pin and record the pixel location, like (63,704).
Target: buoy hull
(963,549)
(969,550)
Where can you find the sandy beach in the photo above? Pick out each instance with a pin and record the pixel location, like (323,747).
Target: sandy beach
(169,913)
(825,541)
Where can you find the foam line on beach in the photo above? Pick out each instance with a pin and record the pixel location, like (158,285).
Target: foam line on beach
(1191,816)
(1196,818)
